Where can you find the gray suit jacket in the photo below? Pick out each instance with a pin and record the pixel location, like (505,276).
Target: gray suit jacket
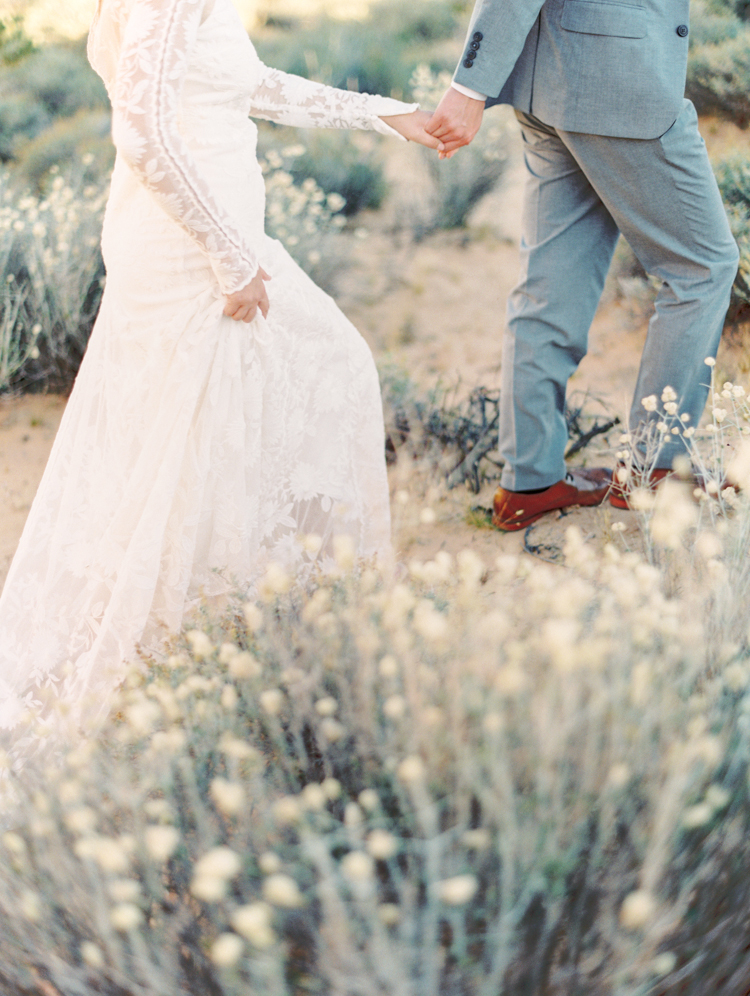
(603,67)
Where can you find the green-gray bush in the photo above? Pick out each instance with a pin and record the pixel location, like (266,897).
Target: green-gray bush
(733,176)
(377,55)
(52,82)
(21,119)
(340,162)
(719,78)
(15,44)
(60,78)
(85,135)
(455,185)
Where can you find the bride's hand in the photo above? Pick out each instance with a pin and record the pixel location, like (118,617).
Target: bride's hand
(411,126)
(243,305)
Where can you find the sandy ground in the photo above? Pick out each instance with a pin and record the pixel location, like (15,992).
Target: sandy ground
(435,309)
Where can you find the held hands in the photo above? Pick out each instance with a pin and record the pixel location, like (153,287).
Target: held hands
(243,305)
(412,127)
(455,122)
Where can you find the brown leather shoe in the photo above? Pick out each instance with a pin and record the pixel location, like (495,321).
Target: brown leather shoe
(582,486)
(620,491)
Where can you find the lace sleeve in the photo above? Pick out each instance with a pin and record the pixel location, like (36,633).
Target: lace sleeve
(301,103)
(146,94)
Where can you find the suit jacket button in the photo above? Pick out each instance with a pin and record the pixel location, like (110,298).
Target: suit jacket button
(468,63)
(478,36)
(475,46)
(682,30)
(471,55)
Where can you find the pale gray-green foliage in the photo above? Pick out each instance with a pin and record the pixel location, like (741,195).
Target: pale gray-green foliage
(733,176)
(535,756)
(718,79)
(51,273)
(50,83)
(455,186)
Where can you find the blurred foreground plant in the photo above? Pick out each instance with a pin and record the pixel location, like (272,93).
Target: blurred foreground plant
(501,778)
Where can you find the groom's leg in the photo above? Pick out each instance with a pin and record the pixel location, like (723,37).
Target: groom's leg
(567,242)
(663,195)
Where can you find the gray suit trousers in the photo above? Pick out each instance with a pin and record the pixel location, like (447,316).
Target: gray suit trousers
(581,191)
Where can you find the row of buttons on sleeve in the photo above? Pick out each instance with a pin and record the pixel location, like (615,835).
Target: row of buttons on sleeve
(474,46)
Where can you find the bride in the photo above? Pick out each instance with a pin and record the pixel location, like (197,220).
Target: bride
(225,407)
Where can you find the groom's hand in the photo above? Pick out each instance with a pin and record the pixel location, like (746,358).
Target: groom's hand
(456,121)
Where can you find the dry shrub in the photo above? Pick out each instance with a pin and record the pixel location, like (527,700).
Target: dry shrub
(419,786)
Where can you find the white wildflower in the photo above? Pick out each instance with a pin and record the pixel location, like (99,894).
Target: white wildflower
(220,861)
(229,797)
(457,891)
(125,917)
(282,890)
(253,922)
(717,797)
(357,867)
(470,567)
(14,843)
(200,643)
(92,955)
(650,403)
(664,963)
(698,815)
(269,863)
(353,815)
(476,840)
(344,552)
(619,776)
(272,701)
(389,914)
(30,907)
(209,888)
(382,845)
(124,890)
(411,770)
(275,582)
(227,950)
(332,788)
(253,617)
(229,698)
(394,707)
(369,800)
(287,810)
(161,842)
(244,665)
(327,706)
(332,730)
(313,797)
(388,666)
(431,625)
(637,910)
(227,651)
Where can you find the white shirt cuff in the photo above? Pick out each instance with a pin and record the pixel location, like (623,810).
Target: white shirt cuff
(468,92)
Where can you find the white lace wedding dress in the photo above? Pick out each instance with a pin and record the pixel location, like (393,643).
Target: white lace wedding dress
(194,449)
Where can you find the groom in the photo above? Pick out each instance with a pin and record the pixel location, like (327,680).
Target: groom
(611,146)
